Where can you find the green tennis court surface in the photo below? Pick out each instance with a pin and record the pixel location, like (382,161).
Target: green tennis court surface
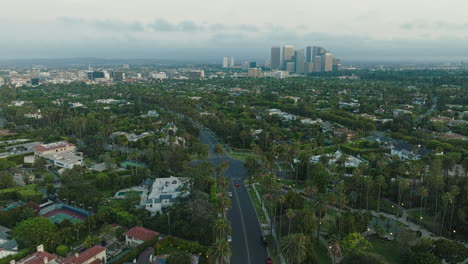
(57,218)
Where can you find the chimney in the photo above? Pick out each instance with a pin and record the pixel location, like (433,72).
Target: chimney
(46,260)
(77,255)
(40,248)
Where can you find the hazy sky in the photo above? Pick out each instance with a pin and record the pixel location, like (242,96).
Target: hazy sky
(177,29)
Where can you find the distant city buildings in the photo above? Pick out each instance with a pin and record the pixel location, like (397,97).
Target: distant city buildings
(255,72)
(299,62)
(228,62)
(118,76)
(196,74)
(97,75)
(275,58)
(288,54)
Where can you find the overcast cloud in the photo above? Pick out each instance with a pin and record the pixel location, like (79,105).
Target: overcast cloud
(208,29)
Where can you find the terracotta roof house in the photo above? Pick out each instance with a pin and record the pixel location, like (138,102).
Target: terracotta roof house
(94,255)
(138,235)
(39,257)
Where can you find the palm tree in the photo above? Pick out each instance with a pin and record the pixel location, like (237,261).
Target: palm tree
(423,193)
(320,204)
(336,249)
(454,192)
(222,228)
(281,200)
(310,190)
(368,182)
(402,187)
(293,248)
(342,201)
(290,213)
(224,202)
(380,180)
(446,199)
(218,150)
(221,251)
(223,183)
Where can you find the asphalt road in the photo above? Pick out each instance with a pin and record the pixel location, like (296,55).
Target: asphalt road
(246,244)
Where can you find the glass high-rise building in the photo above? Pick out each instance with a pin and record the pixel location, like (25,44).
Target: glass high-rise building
(288,53)
(299,61)
(308,54)
(275,58)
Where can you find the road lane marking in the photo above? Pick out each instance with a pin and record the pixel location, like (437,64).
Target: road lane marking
(243,224)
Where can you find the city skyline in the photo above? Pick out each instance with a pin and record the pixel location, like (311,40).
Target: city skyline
(145,29)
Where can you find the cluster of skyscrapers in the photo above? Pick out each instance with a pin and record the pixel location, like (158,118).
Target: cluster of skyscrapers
(228,62)
(315,59)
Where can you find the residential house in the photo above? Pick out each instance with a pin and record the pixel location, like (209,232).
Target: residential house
(59,154)
(94,255)
(398,112)
(138,235)
(342,131)
(38,257)
(7,246)
(164,192)
(350,162)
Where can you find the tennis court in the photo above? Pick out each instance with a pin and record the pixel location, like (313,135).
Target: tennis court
(57,216)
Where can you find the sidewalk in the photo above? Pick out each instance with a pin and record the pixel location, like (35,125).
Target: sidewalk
(273,233)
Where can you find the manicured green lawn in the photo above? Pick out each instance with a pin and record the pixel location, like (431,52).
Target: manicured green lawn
(240,155)
(390,250)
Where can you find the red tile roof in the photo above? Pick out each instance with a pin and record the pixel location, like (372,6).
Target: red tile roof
(36,258)
(141,233)
(85,256)
(57,145)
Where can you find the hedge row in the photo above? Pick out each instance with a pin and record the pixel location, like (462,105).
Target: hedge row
(26,193)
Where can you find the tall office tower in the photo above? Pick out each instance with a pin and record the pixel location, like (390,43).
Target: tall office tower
(317,64)
(225,62)
(288,53)
(267,64)
(299,61)
(309,67)
(118,76)
(231,62)
(275,58)
(327,62)
(245,65)
(308,54)
(318,51)
(253,64)
(336,64)
(289,66)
